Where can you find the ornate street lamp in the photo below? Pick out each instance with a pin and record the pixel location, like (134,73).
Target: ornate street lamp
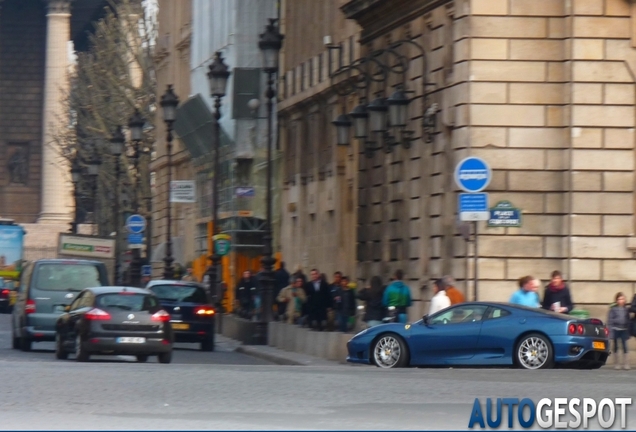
(169,103)
(218,75)
(93,171)
(397,109)
(136,125)
(360,117)
(76,177)
(270,44)
(343,126)
(116,149)
(377,114)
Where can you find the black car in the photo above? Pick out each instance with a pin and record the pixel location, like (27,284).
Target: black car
(114,321)
(191,311)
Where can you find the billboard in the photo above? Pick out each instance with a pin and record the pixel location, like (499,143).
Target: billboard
(11,248)
(86,246)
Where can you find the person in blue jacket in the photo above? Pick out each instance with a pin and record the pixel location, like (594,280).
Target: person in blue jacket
(398,294)
(527,295)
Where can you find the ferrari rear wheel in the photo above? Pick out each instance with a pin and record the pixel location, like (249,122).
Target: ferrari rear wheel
(534,351)
(390,351)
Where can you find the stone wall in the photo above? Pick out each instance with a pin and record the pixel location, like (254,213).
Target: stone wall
(21,98)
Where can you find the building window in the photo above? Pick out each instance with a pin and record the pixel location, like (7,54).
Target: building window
(247,84)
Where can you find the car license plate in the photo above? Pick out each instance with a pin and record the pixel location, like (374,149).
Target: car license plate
(598,345)
(138,340)
(180,326)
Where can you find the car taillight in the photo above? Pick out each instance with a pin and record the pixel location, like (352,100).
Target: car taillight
(5,292)
(97,315)
(29,307)
(572,329)
(606,332)
(204,311)
(161,316)
(580,329)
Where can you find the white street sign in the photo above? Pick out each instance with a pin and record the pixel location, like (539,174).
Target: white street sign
(183,191)
(474,216)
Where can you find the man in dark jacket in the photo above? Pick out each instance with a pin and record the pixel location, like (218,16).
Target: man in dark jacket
(318,300)
(246,291)
(557,296)
(282,280)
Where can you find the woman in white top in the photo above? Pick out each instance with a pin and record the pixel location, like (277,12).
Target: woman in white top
(440,300)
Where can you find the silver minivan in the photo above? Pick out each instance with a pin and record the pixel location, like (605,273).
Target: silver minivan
(47,287)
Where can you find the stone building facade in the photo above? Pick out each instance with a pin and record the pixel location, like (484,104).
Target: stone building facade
(172,62)
(543,90)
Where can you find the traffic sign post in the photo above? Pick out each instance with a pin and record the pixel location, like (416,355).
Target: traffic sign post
(222,244)
(135,241)
(136,224)
(146,271)
(473,175)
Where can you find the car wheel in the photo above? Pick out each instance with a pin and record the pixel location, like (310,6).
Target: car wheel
(390,351)
(208,344)
(165,357)
(80,353)
(25,344)
(60,353)
(142,358)
(534,351)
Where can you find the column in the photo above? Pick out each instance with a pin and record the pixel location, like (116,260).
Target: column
(56,186)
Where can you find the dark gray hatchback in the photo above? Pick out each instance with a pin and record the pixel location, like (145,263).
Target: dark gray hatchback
(47,287)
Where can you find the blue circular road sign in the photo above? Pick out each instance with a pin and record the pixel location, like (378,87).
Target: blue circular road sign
(136,224)
(472,174)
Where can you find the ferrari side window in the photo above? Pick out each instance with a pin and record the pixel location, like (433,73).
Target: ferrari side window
(460,314)
(497,313)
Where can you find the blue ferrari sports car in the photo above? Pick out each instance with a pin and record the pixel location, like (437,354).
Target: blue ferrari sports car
(485,334)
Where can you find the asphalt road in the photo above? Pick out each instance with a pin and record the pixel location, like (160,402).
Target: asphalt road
(228,390)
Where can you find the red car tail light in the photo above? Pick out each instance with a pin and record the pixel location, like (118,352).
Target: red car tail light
(161,316)
(572,329)
(97,315)
(204,311)
(606,332)
(5,292)
(580,329)
(29,307)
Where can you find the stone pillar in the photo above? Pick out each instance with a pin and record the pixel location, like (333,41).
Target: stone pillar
(56,185)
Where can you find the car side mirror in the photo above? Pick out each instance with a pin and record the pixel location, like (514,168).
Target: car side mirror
(425,319)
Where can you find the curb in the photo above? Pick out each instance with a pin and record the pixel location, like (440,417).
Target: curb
(280,360)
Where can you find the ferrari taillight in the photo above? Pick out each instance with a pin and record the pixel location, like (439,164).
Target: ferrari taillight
(572,329)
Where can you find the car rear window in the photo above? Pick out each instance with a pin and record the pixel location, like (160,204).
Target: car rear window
(66,277)
(180,293)
(126,302)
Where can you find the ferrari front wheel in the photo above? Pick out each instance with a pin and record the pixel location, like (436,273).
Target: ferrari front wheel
(390,351)
(534,351)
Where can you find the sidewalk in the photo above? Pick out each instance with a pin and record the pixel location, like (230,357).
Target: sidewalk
(271,354)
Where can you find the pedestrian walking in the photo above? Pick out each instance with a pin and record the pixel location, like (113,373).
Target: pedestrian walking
(318,300)
(557,295)
(293,297)
(527,295)
(344,304)
(440,300)
(189,275)
(374,311)
(398,294)
(454,295)
(618,323)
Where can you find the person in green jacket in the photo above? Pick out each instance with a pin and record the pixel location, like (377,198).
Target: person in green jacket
(398,294)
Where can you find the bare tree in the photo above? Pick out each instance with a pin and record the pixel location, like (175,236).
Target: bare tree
(108,82)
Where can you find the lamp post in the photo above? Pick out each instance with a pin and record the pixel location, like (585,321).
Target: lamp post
(76,176)
(270,44)
(169,103)
(148,152)
(217,76)
(93,171)
(116,149)
(135,125)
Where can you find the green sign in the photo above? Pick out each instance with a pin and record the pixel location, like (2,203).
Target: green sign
(222,244)
(504,215)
